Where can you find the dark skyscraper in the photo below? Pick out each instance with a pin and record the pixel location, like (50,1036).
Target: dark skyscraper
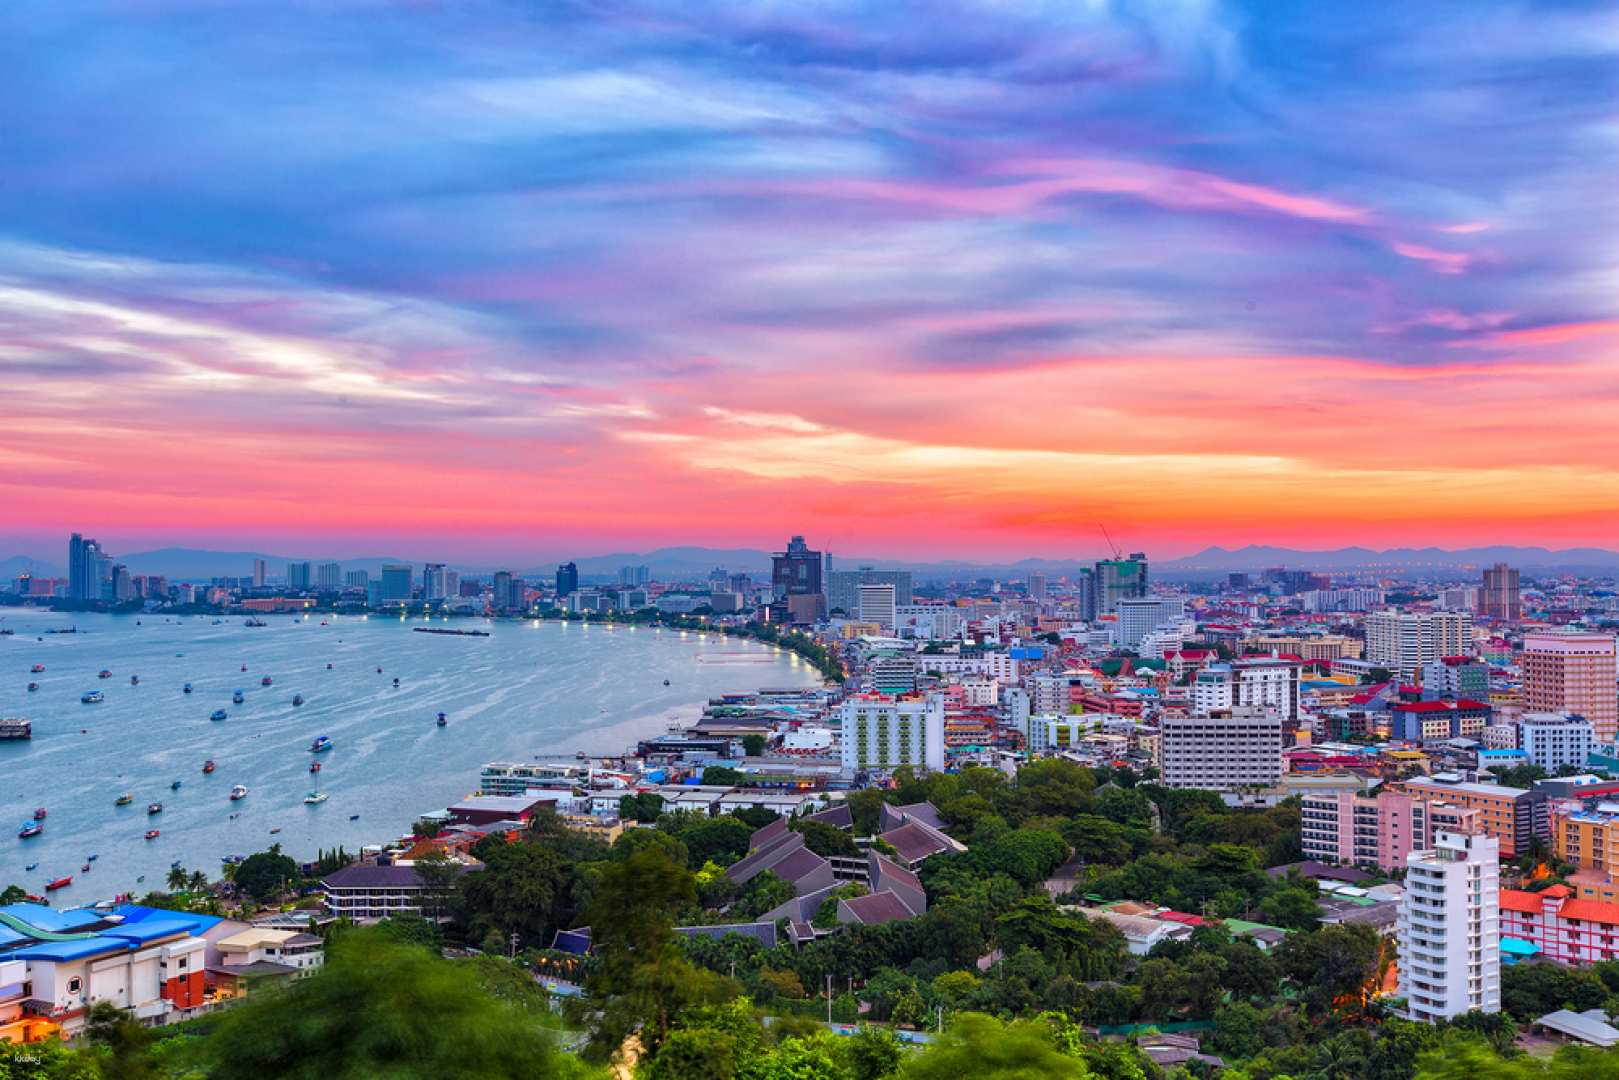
(567,579)
(795,582)
(796,571)
(84,568)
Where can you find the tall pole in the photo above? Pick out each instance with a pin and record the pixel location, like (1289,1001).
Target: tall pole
(829,999)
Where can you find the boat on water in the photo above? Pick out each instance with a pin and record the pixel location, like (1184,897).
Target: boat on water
(30,868)
(91,697)
(442,720)
(354,817)
(314,766)
(175,786)
(124,800)
(297,699)
(238,792)
(92,857)
(238,697)
(186,688)
(85,869)
(266,681)
(104,674)
(154,808)
(275,830)
(15,727)
(218,714)
(315,797)
(328,667)
(40,813)
(32,828)
(36,669)
(666,682)
(321,744)
(134,680)
(208,766)
(244,667)
(59,883)
(580,754)
(250,621)
(33,686)
(152,834)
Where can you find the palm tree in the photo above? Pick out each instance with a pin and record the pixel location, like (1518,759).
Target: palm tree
(199,881)
(177,878)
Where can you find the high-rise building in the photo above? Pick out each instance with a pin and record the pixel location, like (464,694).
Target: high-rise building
(1222,753)
(1499,599)
(433,587)
(1037,587)
(633,576)
(121,586)
(1255,683)
(300,575)
(567,579)
(877,605)
(507,592)
(843,587)
(396,583)
(259,572)
(356,579)
(1449,928)
(329,577)
(1573,673)
(1116,579)
(1403,641)
(1140,616)
(878,732)
(86,564)
(796,571)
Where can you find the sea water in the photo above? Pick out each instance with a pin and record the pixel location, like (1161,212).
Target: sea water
(529,691)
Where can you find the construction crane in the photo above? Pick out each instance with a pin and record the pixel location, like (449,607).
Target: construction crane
(1111,546)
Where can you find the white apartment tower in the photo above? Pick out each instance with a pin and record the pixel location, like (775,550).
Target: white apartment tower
(1449,928)
(882,733)
(1222,753)
(877,606)
(1403,641)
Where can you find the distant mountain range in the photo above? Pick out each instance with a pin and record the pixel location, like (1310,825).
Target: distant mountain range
(694,563)
(1257,557)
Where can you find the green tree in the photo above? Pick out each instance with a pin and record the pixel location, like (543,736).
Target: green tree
(1331,964)
(644,807)
(1239,1030)
(381,1008)
(266,874)
(695,1054)
(1291,908)
(126,1042)
(983,1048)
(825,840)
(523,888)
(639,979)
(874,1053)
(753,744)
(439,875)
(177,878)
(722,776)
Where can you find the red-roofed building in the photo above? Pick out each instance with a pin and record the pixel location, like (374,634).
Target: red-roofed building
(1436,721)
(1567,930)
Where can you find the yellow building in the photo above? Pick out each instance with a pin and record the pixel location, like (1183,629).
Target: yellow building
(1307,646)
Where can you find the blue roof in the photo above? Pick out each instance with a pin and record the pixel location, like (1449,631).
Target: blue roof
(49,919)
(1518,946)
(197,924)
(71,950)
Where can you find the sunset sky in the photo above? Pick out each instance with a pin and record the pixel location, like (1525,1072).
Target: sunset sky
(492,280)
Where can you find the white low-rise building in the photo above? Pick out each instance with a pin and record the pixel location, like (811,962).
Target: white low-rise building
(1553,740)
(882,733)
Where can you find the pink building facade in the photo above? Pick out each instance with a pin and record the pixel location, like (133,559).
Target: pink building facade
(1380,831)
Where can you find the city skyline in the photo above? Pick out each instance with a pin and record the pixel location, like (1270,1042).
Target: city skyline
(556,281)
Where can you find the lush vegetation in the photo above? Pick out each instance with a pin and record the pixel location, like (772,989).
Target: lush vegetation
(1005,970)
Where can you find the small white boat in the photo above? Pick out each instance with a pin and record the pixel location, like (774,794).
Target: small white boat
(238,792)
(315,797)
